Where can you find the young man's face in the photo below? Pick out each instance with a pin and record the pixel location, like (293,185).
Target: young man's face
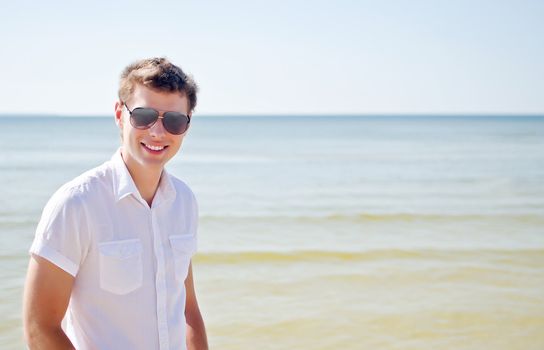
(136,143)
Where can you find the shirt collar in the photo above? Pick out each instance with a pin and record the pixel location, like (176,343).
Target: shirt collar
(124,184)
(122,181)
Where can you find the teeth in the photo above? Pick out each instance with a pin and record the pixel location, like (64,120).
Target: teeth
(154,148)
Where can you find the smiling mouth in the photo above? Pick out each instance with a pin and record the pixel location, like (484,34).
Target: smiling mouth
(154,148)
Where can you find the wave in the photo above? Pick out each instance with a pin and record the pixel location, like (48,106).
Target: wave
(14,220)
(369,217)
(220,158)
(247,257)
(10,223)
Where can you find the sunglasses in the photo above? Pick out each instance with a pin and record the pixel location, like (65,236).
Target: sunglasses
(143,118)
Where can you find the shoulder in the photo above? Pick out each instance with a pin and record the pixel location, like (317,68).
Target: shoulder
(182,189)
(185,198)
(78,190)
(185,206)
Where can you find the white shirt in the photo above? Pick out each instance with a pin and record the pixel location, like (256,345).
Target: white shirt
(129,261)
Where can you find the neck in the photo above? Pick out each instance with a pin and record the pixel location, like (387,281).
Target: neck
(146,179)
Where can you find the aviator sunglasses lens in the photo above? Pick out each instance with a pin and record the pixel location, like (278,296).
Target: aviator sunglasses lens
(143,118)
(175,123)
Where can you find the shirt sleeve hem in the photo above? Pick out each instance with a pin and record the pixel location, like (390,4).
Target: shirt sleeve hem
(55,257)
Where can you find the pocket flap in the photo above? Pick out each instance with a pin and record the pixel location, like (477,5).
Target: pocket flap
(183,243)
(120,249)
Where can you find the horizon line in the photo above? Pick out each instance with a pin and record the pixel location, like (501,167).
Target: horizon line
(285,115)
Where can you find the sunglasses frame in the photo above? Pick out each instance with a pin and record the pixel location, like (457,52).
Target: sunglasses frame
(159,116)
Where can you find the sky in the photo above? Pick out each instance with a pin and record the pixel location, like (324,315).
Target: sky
(280,57)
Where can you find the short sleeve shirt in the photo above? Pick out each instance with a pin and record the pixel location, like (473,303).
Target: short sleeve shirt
(129,261)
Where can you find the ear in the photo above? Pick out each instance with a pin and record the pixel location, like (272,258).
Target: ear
(190,122)
(119,114)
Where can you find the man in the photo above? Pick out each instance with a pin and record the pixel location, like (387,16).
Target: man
(112,252)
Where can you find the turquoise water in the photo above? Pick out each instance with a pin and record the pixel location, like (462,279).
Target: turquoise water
(312,196)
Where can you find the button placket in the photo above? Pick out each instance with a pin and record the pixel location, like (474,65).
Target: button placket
(160,283)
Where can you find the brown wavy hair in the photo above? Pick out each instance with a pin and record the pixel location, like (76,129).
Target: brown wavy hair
(159,74)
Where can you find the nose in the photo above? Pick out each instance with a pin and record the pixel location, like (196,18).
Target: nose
(157,130)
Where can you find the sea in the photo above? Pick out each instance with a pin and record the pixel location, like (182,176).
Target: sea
(326,232)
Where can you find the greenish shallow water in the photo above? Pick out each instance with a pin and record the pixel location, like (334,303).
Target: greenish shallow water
(322,233)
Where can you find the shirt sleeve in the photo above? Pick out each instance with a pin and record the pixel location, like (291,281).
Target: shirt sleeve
(61,236)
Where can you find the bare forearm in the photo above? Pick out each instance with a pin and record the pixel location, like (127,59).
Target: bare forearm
(39,338)
(196,333)
(45,300)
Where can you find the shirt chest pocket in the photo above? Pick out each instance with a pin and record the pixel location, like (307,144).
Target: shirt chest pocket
(121,266)
(183,247)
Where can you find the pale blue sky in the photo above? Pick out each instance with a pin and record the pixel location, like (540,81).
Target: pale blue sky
(280,57)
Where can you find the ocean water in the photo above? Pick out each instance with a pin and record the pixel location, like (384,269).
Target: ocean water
(404,232)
